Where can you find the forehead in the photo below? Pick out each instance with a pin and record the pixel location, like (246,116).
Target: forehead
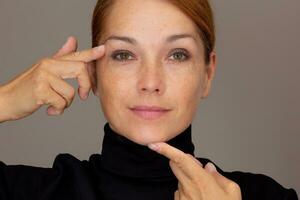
(147,19)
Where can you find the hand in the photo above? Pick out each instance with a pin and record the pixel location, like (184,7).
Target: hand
(194,181)
(43,83)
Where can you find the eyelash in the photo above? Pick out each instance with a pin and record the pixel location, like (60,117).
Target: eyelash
(117,53)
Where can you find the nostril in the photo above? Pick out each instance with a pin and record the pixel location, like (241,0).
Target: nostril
(150,90)
(150,83)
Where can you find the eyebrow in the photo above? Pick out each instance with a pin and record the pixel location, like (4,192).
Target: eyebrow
(133,41)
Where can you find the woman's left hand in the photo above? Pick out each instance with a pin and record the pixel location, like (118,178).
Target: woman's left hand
(194,181)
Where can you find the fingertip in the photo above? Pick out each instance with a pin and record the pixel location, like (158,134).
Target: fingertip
(51,111)
(153,146)
(210,167)
(99,49)
(74,43)
(67,42)
(84,96)
(73,38)
(70,45)
(95,91)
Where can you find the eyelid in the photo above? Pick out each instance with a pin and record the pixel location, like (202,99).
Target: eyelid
(177,50)
(181,50)
(117,52)
(121,51)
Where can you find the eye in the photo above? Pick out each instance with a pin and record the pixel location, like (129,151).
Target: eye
(122,55)
(180,55)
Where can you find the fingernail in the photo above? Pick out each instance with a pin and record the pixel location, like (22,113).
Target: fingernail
(55,112)
(99,48)
(85,96)
(66,42)
(210,167)
(199,162)
(154,147)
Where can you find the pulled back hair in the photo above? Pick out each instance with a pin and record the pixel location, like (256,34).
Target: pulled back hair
(199,11)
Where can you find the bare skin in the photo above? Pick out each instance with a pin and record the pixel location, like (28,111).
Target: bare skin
(153,70)
(196,181)
(44,84)
(152,76)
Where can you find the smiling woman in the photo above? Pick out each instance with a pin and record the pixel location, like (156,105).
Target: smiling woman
(152,63)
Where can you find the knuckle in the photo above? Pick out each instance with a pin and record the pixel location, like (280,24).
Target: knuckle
(232,186)
(70,97)
(171,162)
(179,160)
(40,82)
(63,104)
(194,159)
(40,88)
(198,183)
(77,54)
(42,68)
(82,67)
(39,77)
(72,92)
(39,94)
(60,103)
(46,62)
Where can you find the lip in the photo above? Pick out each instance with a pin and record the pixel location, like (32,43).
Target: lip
(149,112)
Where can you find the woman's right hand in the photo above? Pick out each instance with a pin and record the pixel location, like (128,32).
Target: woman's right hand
(43,83)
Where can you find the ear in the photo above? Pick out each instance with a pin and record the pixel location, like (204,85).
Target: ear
(93,77)
(210,73)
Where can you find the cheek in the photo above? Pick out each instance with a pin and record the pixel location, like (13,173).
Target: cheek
(113,86)
(188,90)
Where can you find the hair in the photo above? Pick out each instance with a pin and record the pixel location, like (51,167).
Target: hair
(199,11)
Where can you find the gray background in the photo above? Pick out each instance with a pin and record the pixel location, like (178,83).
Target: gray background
(250,122)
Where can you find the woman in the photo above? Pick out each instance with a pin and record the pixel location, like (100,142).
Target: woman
(155,63)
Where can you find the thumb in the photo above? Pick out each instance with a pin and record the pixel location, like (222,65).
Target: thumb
(69,47)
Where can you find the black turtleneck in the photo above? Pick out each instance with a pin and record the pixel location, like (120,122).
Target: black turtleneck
(136,171)
(123,171)
(124,157)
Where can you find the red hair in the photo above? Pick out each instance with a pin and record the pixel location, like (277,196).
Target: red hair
(199,11)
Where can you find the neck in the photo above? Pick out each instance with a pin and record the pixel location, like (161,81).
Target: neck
(124,157)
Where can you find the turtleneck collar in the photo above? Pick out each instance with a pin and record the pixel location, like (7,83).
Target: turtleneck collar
(124,157)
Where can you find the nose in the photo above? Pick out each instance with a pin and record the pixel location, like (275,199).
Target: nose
(151,79)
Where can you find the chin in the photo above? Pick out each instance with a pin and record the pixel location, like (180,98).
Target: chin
(144,134)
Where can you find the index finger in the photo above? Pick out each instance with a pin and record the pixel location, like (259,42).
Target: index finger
(87,55)
(169,151)
(188,165)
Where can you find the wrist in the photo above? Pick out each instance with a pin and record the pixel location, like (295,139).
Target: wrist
(4,109)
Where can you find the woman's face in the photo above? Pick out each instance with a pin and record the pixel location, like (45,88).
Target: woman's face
(153,74)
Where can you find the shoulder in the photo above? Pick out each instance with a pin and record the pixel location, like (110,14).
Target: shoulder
(64,178)
(256,186)
(63,164)
(66,160)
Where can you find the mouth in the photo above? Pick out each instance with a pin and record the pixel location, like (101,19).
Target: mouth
(149,112)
